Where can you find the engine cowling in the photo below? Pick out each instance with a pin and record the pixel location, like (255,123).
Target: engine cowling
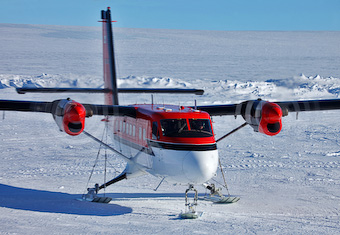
(69,116)
(263,116)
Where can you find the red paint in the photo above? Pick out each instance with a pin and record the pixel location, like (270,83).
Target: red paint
(106,65)
(138,130)
(74,118)
(271,115)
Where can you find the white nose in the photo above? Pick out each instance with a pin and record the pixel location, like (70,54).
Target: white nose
(200,166)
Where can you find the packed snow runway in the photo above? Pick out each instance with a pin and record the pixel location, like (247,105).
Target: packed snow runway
(289,183)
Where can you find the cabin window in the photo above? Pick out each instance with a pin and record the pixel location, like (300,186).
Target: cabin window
(155,134)
(140,133)
(124,124)
(134,130)
(144,134)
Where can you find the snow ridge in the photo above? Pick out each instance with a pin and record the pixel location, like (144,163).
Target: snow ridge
(297,87)
(303,85)
(72,80)
(152,82)
(46,80)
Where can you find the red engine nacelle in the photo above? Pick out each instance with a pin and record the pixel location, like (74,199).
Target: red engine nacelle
(271,123)
(70,116)
(263,116)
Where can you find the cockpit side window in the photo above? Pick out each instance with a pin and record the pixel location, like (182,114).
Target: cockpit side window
(155,134)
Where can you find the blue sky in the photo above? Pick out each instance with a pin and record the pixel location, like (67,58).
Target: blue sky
(180,14)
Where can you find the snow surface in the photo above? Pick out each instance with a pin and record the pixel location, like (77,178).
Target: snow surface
(288,184)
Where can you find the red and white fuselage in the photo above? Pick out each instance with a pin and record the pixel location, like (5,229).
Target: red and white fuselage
(171,142)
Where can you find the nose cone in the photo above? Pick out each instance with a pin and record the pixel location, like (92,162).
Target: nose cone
(200,166)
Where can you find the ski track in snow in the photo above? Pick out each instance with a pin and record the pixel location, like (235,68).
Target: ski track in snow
(288,184)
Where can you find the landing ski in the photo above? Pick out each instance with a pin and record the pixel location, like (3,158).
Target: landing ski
(95,199)
(102,199)
(220,199)
(191,215)
(92,196)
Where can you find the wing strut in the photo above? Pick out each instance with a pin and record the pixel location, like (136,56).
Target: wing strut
(233,131)
(106,145)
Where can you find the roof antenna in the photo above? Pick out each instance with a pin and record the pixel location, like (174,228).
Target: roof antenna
(195,104)
(152,99)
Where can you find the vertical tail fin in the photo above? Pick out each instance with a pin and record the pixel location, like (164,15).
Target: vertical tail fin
(110,77)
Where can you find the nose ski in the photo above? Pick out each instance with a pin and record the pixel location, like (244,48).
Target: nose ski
(190,210)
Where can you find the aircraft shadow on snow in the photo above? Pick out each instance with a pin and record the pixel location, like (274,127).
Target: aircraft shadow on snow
(55,202)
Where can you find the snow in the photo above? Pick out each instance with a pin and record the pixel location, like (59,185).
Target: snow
(288,184)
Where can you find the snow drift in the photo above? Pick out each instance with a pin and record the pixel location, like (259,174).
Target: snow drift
(288,184)
(297,87)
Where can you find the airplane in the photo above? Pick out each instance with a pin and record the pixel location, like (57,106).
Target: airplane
(175,143)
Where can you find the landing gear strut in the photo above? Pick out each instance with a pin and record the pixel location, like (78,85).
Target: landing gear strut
(190,206)
(213,190)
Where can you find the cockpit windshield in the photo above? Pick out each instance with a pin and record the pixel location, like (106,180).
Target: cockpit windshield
(180,128)
(173,127)
(200,125)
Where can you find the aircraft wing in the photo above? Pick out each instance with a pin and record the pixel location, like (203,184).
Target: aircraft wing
(287,106)
(264,116)
(51,107)
(68,114)
(310,105)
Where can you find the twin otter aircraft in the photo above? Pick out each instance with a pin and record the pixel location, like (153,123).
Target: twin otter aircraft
(175,143)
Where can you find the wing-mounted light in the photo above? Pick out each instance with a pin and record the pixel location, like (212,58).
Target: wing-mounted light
(69,116)
(262,116)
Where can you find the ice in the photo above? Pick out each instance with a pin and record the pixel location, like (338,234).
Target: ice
(288,184)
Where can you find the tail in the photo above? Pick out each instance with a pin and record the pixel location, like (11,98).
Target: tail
(110,76)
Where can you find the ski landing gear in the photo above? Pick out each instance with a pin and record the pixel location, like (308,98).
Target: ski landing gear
(217,197)
(92,196)
(190,210)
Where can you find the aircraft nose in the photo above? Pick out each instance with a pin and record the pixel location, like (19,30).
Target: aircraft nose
(200,166)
